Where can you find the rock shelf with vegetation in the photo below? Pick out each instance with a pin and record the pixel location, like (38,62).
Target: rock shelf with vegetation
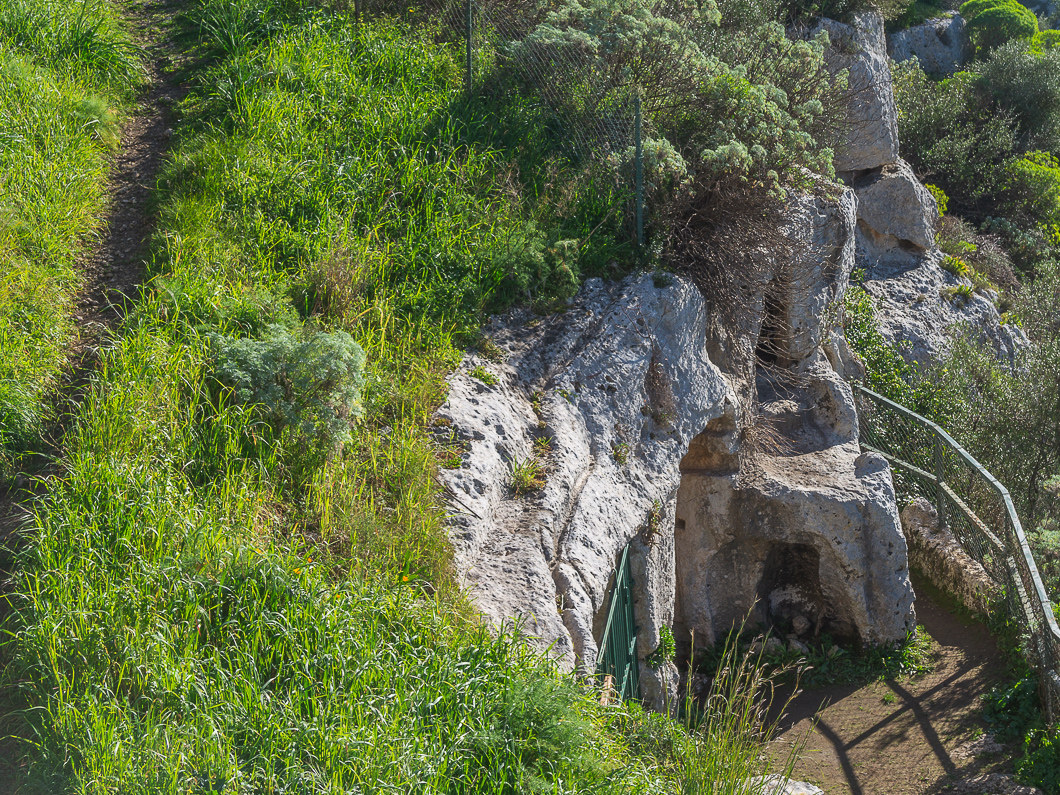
(326,494)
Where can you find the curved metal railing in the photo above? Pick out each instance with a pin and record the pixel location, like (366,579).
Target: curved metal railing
(926,461)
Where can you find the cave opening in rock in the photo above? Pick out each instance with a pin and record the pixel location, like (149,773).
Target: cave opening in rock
(790,598)
(772,347)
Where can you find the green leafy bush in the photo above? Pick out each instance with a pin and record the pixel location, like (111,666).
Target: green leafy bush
(306,380)
(1045,40)
(991,23)
(1026,85)
(952,131)
(743,102)
(1033,191)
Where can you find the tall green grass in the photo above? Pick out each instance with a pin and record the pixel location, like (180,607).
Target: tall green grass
(207,603)
(64,67)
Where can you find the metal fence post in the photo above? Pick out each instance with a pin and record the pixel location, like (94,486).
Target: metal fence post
(940,481)
(468,32)
(640,173)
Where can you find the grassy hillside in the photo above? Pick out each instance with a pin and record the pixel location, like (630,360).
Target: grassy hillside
(230,588)
(65,70)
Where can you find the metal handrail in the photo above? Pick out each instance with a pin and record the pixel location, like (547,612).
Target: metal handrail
(1003,552)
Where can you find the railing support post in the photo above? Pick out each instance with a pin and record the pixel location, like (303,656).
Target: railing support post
(469,31)
(940,479)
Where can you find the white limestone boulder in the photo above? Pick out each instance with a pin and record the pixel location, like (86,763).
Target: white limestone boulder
(940,45)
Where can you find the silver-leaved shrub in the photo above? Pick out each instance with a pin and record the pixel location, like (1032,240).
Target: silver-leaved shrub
(307,380)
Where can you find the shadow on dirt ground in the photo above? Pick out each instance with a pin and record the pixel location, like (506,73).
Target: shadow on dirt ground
(913,736)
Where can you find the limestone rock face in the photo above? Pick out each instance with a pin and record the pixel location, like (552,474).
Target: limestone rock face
(730,467)
(802,533)
(861,49)
(941,45)
(894,208)
(916,315)
(620,383)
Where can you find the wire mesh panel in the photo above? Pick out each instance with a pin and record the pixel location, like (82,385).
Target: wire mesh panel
(618,646)
(927,462)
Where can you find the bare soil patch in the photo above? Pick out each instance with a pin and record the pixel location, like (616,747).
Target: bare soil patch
(905,737)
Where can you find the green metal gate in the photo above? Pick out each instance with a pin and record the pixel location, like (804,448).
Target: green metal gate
(618,647)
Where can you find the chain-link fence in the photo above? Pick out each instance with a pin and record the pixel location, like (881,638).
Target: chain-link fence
(592,108)
(928,463)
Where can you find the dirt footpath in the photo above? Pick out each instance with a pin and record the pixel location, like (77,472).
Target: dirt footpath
(910,736)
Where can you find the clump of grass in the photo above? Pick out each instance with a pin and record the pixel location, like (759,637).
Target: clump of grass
(57,132)
(960,294)
(483,375)
(826,662)
(528,474)
(542,445)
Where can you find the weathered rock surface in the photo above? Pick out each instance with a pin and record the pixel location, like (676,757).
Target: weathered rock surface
(894,209)
(916,314)
(779,785)
(993,784)
(623,384)
(637,413)
(861,49)
(940,45)
(803,536)
(936,553)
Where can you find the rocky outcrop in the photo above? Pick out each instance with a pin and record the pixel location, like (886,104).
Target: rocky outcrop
(936,553)
(650,443)
(779,785)
(619,384)
(919,307)
(940,45)
(920,304)
(803,535)
(894,209)
(861,50)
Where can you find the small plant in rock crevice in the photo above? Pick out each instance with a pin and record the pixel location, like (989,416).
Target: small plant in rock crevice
(483,375)
(620,452)
(665,651)
(960,295)
(527,475)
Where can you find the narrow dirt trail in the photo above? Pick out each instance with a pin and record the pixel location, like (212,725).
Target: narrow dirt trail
(914,736)
(112,271)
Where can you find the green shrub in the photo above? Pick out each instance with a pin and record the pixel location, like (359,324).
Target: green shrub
(707,86)
(1045,40)
(1033,191)
(306,380)
(952,130)
(991,23)
(1026,85)
(941,199)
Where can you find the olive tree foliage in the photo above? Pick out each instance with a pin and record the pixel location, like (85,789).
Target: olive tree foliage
(1024,82)
(1010,420)
(953,134)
